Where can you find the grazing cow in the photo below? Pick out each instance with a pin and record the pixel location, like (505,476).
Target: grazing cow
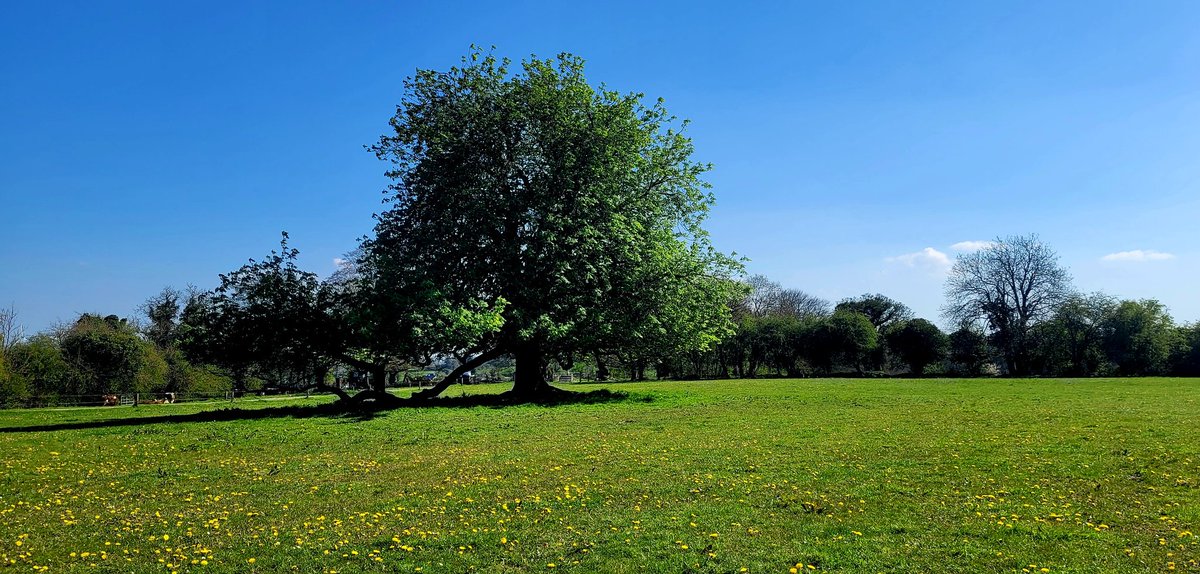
(111,400)
(166,399)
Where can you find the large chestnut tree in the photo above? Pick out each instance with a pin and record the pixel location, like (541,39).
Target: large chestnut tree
(574,209)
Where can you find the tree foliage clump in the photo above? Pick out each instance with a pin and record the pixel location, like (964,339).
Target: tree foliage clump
(268,319)
(1139,337)
(969,352)
(106,355)
(846,337)
(918,343)
(1185,359)
(881,310)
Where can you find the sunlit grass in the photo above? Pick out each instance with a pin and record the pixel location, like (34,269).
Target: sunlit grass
(721,476)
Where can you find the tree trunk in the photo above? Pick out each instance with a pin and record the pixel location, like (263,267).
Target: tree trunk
(529,380)
(379,378)
(319,375)
(343,396)
(639,370)
(239,382)
(662,371)
(601,368)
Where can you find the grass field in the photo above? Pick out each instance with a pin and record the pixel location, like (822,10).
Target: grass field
(721,476)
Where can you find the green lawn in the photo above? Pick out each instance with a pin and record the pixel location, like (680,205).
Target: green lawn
(720,476)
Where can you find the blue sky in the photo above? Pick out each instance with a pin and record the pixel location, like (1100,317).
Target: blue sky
(854,144)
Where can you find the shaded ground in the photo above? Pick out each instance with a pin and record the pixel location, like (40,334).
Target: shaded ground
(356,411)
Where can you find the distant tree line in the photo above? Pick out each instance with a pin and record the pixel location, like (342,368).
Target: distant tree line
(270,324)
(872,335)
(1015,311)
(98,355)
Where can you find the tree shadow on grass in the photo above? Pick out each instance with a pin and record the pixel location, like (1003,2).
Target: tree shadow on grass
(351,412)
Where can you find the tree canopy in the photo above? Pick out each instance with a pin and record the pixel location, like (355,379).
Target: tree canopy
(575,209)
(883,311)
(267,319)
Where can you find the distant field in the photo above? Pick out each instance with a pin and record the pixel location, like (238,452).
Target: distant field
(721,476)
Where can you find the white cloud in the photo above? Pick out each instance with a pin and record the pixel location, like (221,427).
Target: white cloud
(1138,255)
(972,246)
(339,262)
(928,258)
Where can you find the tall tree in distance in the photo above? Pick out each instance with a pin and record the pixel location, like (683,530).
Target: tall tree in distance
(762,297)
(268,319)
(162,315)
(12,388)
(572,208)
(767,298)
(11,332)
(1007,287)
(883,311)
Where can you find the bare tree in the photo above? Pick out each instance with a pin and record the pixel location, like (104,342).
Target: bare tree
(348,268)
(763,296)
(797,303)
(1009,287)
(769,299)
(11,331)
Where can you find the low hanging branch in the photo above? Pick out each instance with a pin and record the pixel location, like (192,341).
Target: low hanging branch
(322,387)
(454,375)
